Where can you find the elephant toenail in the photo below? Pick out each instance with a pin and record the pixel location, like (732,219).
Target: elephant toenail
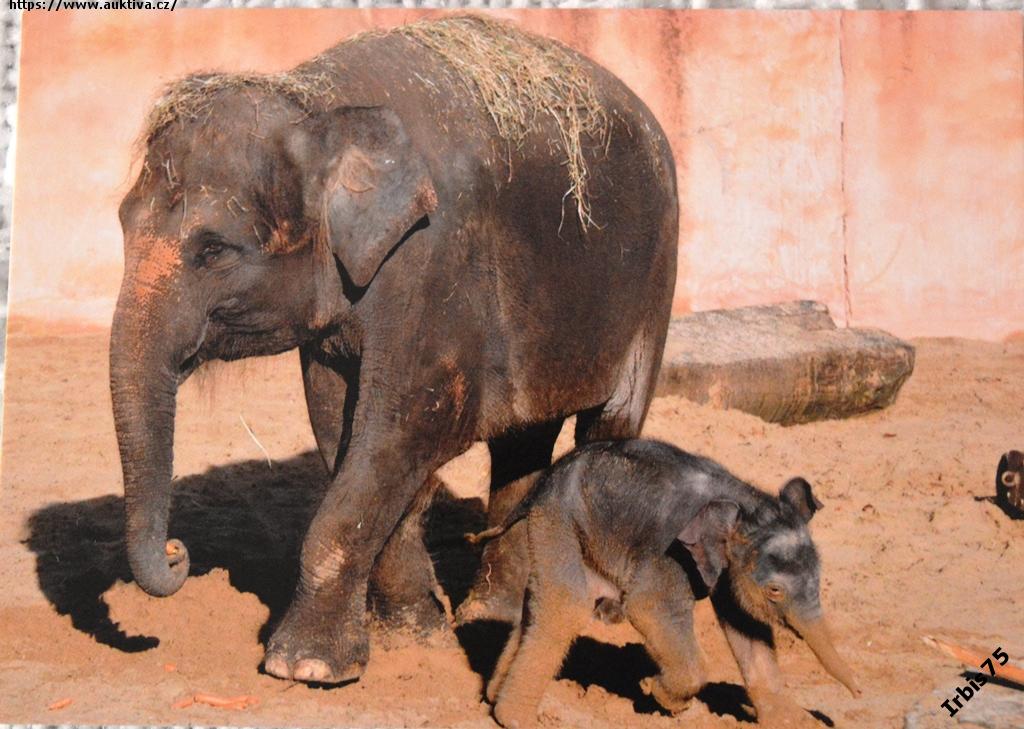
(312,669)
(275,665)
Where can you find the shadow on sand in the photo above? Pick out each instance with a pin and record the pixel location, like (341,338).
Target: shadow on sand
(244,517)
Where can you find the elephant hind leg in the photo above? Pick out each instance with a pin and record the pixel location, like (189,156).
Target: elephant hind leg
(508,655)
(516,460)
(622,415)
(557,606)
(404,589)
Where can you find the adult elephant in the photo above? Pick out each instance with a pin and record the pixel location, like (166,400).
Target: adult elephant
(469,232)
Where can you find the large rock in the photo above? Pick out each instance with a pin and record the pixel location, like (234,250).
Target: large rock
(785,363)
(995,707)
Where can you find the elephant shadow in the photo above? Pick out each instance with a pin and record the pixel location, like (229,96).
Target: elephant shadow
(246,518)
(617,670)
(620,669)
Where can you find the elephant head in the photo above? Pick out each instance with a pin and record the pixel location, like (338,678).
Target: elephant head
(772,565)
(253,225)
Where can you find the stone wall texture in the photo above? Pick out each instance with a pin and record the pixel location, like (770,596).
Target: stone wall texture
(873,161)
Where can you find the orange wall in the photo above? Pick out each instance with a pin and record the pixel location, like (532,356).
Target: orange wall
(873,161)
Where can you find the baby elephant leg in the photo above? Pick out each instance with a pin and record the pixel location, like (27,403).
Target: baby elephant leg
(659,604)
(556,607)
(755,655)
(508,655)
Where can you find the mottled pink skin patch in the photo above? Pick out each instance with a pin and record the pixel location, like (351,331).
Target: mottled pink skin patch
(155,268)
(328,567)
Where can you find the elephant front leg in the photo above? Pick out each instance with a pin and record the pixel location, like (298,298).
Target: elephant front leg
(403,587)
(323,636)
(752,645)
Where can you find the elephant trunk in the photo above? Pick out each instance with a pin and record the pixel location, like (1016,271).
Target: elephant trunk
(816,634)
(144,377)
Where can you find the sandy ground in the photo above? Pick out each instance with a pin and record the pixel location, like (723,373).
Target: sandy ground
(910,541)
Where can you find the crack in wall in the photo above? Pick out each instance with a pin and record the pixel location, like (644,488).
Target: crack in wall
(847,296)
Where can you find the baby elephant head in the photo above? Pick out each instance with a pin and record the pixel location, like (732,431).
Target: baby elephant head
(770,563)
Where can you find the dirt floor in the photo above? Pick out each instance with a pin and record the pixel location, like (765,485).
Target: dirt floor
(910,541)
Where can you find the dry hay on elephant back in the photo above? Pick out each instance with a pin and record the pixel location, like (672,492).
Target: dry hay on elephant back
(519,78)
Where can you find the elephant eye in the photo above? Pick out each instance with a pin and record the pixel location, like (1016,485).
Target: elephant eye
(775,593)
(211,248)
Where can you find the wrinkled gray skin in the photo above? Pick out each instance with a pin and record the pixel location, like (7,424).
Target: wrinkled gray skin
(601,523)
(437,297)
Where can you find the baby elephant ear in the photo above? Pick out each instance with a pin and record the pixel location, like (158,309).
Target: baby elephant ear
(377,190)
(798,494)
(705,538)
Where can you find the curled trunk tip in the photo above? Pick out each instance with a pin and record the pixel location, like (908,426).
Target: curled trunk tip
(159,571)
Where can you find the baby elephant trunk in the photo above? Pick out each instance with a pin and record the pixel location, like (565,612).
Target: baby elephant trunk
(816,634)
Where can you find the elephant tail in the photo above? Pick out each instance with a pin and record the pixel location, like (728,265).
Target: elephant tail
(521,510)
(477,537)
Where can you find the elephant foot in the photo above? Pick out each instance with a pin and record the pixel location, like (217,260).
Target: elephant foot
(404,590)
(426,614)
(670,700)
(297,653)
(500,585)
(776,710)
(498,596)
(511,718)
(497,607)
(310,670)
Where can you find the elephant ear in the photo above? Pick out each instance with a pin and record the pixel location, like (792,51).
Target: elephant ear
(798,494)
(705,537)
(377,188)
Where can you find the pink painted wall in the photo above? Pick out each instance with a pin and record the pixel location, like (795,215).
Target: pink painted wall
(762,161)
(934,150)
(873,161)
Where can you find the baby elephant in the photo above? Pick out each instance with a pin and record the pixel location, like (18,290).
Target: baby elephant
(601,522)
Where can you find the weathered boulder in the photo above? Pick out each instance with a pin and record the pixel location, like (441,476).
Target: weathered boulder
(786,363)
(996,707)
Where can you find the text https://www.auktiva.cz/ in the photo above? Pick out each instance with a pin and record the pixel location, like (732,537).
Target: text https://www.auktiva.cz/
(91,4)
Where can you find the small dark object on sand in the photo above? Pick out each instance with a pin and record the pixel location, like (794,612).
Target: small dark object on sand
(1010,484)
